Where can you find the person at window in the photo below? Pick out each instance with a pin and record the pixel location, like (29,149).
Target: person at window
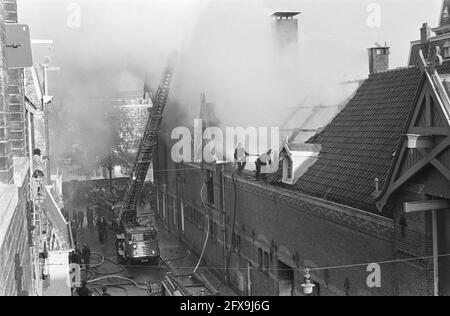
(39,163)
(263,160)
(240,157)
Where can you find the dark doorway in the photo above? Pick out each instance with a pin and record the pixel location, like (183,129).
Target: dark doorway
(285,279)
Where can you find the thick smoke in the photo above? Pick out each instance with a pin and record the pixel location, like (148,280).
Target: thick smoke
(117,45)
(226,48)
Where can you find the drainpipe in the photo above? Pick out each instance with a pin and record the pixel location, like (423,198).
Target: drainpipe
(435,254)
(224,217)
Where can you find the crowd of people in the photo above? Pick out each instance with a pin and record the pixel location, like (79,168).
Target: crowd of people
(91,219)
(89,208)
(87,211)
(80,193)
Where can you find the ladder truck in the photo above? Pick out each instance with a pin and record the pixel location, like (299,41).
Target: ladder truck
(136,241)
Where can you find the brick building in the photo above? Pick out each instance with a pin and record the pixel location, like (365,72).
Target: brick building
(32,229)
(341,210)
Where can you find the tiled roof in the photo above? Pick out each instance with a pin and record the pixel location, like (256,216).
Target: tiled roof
(359,144)
(445,68)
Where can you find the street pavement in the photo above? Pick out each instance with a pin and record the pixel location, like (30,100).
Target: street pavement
(176,258)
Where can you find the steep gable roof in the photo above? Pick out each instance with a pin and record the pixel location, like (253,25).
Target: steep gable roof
(359,144)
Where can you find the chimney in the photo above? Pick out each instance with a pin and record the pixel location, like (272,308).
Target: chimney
(425,33)
(378,59)
(425,36)
(286,26)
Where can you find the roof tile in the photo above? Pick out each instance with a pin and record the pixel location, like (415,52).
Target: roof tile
(358,145)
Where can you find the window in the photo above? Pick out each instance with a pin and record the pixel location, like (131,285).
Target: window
(210,186)
(380,51)
(147,236)
(200,221)
(164,206)
(233,242)
(266,261)
(182,217)
(238,244)
(260,259)
(174,211)
(211,228)
(196,218)
(446,52)
(157,201)
(290,169)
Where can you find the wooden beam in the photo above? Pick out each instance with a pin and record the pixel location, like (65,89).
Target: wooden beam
(423,206)
(428,116)
(441,168)
(440,131)
(411,172)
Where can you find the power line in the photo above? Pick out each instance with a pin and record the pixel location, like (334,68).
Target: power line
(287,269)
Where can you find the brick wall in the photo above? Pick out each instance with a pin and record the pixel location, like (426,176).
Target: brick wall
(297,235)
(16,243)
(16,100)
(16,265)
(412,239)
(5,146)
(16,95)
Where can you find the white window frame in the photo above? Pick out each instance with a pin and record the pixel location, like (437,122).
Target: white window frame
(164,206)
(174,204)
(157,202)
(446,52)
(182,217)
(290,170)
(288,179)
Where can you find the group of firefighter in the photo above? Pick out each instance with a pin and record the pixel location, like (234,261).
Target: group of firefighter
(263,160)
(91,218)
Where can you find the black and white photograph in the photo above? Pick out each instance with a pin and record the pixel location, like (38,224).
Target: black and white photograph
(224,153)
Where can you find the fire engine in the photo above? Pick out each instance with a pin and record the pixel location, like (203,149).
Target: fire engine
(137,241)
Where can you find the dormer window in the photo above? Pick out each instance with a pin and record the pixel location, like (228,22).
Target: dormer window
(290,170)
(446,50)
(297,158)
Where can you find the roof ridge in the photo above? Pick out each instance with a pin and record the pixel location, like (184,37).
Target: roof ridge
(395,69)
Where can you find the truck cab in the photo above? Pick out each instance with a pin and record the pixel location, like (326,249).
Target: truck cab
(139,244)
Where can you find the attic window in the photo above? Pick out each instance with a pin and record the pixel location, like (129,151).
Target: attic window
(297,159)
(446,50)
(290,169)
